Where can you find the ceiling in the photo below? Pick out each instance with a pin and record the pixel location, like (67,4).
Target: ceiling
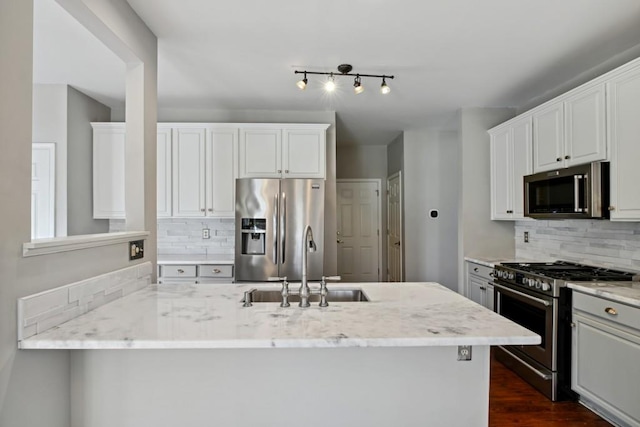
(228,55)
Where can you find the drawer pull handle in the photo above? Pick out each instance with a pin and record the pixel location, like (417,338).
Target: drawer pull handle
(612,311)
(475,269)
(216,270)
(180,271)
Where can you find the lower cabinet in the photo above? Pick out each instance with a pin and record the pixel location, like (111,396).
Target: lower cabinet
(195,273)
(479,287)
(605,354)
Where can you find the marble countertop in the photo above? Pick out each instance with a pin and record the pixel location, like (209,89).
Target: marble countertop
(624,292)
(196,259)
(211,316)
(487,262)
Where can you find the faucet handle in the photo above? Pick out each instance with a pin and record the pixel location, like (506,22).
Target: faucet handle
(331,278)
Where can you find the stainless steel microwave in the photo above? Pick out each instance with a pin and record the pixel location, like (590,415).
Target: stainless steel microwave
(571,193)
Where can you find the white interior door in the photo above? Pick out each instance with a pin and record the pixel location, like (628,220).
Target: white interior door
(43,169)
(359,230)
(394,228)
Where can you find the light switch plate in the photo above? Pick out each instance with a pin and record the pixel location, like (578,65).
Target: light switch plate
(136,249)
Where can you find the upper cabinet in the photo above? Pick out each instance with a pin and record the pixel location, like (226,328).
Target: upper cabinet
(570,130)
(624,133)
(283,151)
(108,170)
(511,149)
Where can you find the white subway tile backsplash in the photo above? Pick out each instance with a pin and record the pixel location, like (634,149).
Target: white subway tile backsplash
(184,236)
(603,243)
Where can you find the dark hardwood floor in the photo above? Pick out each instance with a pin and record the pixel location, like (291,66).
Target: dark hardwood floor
(513,402)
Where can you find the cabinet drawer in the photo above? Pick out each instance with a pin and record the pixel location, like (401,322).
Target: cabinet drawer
(178,271)
(480,270)
(607,310)
(214,270)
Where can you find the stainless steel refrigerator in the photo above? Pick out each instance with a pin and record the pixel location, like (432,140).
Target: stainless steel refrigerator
(271,215)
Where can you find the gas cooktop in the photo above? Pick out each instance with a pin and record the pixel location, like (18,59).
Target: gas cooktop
(568,271)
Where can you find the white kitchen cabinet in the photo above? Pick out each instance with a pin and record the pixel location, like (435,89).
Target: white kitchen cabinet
(204,171)
(282,151)
(570,130)
(624,130)
(479,279)
(548,137)
(511,148)
(163,171)
(605,351)
(108,170)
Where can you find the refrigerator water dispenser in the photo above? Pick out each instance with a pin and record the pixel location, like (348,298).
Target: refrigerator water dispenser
(254,231)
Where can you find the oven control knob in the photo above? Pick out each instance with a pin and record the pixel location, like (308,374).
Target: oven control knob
(525,281)
(511,276)
(545,286)
(538,284)
(532,282)
(499,274)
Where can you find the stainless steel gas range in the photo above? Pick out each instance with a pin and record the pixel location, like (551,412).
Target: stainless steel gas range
(535,296)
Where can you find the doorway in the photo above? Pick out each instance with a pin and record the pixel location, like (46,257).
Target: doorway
(358,232)
(395,254)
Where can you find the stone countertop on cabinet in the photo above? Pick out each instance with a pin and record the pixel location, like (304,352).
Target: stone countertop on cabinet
(196,259)
(487,262)
(203,316)
(623,292)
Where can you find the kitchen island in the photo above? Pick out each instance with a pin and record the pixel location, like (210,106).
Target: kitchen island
(201,358)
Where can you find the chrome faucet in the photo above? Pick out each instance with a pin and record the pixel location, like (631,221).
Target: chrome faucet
(308,245)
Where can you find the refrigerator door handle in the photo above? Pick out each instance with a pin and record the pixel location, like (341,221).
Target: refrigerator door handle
(283,230)
(276,223)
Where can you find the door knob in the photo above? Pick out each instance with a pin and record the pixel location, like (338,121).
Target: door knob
(339,241)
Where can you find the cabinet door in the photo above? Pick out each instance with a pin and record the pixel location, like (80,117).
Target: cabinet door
(303,153)
(488,296)
(260,153)
(164,172)
(624,131)
(108,171)
(476,289)
(222,171)
(585,126)
(189,172)
(604,368)
(500,147)
(522,163)
(548,138)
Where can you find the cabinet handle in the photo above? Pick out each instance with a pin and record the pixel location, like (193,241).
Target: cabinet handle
(202,210)
(612,208)
(567,157)
(612,311)
(558,159)
(216,270)
(475,269)
(286,171)
(180,271)
(483,288)
(279,170)
(210,209)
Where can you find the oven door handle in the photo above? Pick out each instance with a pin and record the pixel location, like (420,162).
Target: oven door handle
(538,300)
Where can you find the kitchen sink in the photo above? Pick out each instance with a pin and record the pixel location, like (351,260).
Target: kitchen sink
(334,295)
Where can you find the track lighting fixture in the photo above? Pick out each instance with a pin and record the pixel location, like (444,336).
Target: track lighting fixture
(384,89)
(302,84)
(330,85)
(357,85)
(345,70)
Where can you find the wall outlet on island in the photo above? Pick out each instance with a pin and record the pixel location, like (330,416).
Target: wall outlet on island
(206,233)
(526,237)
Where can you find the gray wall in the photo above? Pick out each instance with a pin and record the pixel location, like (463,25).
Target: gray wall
(431,181)
(367,162)
(395,155)
(263,116)
(35,385)
(81,111)
(478,235)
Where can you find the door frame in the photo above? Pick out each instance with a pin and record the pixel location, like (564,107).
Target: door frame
(400,218)
(53,205)
(378,182)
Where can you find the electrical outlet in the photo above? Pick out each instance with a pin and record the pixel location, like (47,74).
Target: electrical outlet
(464,352)
(206,233)
(526,237)
(136,249)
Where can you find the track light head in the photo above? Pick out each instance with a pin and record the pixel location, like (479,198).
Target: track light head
(384,89)
(330,85)
(357,85)
(302,84)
